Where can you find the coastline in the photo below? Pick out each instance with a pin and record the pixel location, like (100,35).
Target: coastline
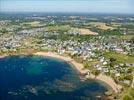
(80,68)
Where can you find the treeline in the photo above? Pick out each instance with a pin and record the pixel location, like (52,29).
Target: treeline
(106,32)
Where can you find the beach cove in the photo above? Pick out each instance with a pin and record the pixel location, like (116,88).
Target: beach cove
(108,80)
(38,61)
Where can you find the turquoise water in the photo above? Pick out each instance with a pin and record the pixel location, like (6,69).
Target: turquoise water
(44,78)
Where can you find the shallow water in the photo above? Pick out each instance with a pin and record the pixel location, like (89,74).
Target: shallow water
(44,78)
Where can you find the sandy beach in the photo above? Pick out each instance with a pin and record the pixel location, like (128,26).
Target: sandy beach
(108,80)
(3,56)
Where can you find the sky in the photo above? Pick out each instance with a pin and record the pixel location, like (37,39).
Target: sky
(85,6)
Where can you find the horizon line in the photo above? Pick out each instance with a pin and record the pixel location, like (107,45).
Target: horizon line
(43,12)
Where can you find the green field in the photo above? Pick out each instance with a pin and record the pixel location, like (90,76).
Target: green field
(127,37)
(128,94)
(122,58)
(57,28)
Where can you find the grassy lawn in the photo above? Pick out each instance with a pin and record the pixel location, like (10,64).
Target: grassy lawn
(101,25)
(122,58)
(129,92)
(32,24)
(90,64)
(62,28)
(127,37)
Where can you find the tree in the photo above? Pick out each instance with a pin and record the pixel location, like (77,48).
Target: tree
(112,59)
(132,39)
(4,30)
(96,73)
(86,64)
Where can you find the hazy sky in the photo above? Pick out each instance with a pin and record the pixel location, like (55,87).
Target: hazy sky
(92,6)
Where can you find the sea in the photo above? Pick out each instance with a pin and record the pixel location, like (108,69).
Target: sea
(45,78)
